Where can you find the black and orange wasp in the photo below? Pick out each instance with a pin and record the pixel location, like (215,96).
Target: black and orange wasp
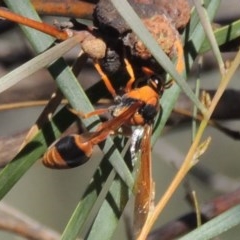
(136,108)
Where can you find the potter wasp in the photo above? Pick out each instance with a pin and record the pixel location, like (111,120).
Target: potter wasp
(135,108)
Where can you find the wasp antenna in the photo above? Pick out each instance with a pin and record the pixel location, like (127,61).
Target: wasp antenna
(168,84)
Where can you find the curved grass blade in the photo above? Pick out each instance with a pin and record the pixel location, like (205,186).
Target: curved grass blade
(216,226)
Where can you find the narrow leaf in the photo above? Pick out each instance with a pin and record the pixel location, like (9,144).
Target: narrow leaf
(33,151)
(216,226)
(37,63)
(223,35)
(209,33)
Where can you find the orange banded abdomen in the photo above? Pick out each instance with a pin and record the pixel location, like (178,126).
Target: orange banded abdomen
(69,152)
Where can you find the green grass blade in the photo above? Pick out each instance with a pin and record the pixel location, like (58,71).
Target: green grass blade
(194,20)
(223,35)
(33,151)
(209,33)
(216,226)
(80,216)
(37,63)
(111,210)
(197,35)
(95,196)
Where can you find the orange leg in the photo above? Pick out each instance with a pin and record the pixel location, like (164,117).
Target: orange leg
(149,72)
(43,27)
(180,65)
(131,73)
(105,79)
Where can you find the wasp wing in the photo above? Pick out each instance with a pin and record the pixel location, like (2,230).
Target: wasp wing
(113,124)
(144,185)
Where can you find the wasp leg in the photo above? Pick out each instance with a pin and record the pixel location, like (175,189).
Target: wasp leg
(105,79)
(90,114)
(130,71)
(168,84)
(149,72)
(180,65)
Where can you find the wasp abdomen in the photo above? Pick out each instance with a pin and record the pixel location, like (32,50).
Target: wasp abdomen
(69,152)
